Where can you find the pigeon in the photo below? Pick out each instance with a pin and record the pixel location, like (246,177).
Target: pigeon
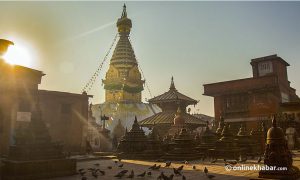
(259,159)
(205,170)
(102,172)
(119,159)
(149,173)
(210,176)
(121,165)
(152,167)
(142,175)
(168,164)
(94,174)
(194,167)
(180,168)
(82,173)
(80,169)
(109,167)
(213,161)
(176,172)
(121,174)
(97,164)
(171,177)
(131,175)
(156,168)
(183,177)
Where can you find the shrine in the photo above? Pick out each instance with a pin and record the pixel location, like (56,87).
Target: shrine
(172,102)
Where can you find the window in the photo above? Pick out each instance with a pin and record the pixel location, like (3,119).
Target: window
(66,108)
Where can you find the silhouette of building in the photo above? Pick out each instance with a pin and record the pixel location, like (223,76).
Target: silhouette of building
(65,114)
(254,99)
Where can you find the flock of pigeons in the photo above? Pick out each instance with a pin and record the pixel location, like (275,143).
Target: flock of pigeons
(95,172)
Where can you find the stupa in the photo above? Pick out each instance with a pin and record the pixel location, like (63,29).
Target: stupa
(208,140)
(226,147)
(133,143)
(182,148)
(278,155)
(34,155)
(123,83)
(258,136)
(244,141)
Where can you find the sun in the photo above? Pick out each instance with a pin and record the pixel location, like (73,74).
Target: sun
(18,55)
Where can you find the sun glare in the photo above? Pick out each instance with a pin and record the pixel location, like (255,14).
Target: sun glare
(18,55)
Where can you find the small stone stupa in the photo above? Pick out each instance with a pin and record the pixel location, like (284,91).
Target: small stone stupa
(208,140)
(278,155)
(182,148)
(133,143)
(244,141)
(226,147)
(34,156)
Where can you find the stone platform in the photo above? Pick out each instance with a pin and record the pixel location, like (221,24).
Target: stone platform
(38,169)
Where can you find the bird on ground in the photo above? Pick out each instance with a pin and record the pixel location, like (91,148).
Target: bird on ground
(183,177)
(91,169)
(259,159)
(94,174)
(168,164)
(119,159)
(231,162)
(97,164)
(121,174)
(116,162)
(176,172)
(102,172)
(121,165)
(149,173)
(205,170)
(180,168)
(170,177)
(82,173)
(80,169)
(131,175)
(142,175)
(213,161)
(210,176)
(194,167)
(152,167)
(156,168)
(109,167)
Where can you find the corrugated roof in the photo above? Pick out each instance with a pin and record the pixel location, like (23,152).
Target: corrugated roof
(168,118)
(172,95)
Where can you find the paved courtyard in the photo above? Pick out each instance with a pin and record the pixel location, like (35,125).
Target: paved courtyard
(217,169)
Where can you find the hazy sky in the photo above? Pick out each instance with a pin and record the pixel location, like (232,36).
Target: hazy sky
(196,42)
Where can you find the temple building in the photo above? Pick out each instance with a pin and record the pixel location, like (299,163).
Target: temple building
(172,102)
(254,99)
(123,83)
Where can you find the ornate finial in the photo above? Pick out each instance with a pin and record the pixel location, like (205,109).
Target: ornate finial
(172,86)
(124,13)
(135,119)
(274,123)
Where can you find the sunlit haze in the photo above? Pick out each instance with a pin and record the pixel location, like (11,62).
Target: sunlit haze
(196,42)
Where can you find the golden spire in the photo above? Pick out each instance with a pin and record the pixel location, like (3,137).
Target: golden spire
(124,13)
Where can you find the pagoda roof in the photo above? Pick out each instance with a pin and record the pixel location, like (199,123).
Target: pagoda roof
(167,117)
(172,96)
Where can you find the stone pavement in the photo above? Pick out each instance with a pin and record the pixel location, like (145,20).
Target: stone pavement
(217,169)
